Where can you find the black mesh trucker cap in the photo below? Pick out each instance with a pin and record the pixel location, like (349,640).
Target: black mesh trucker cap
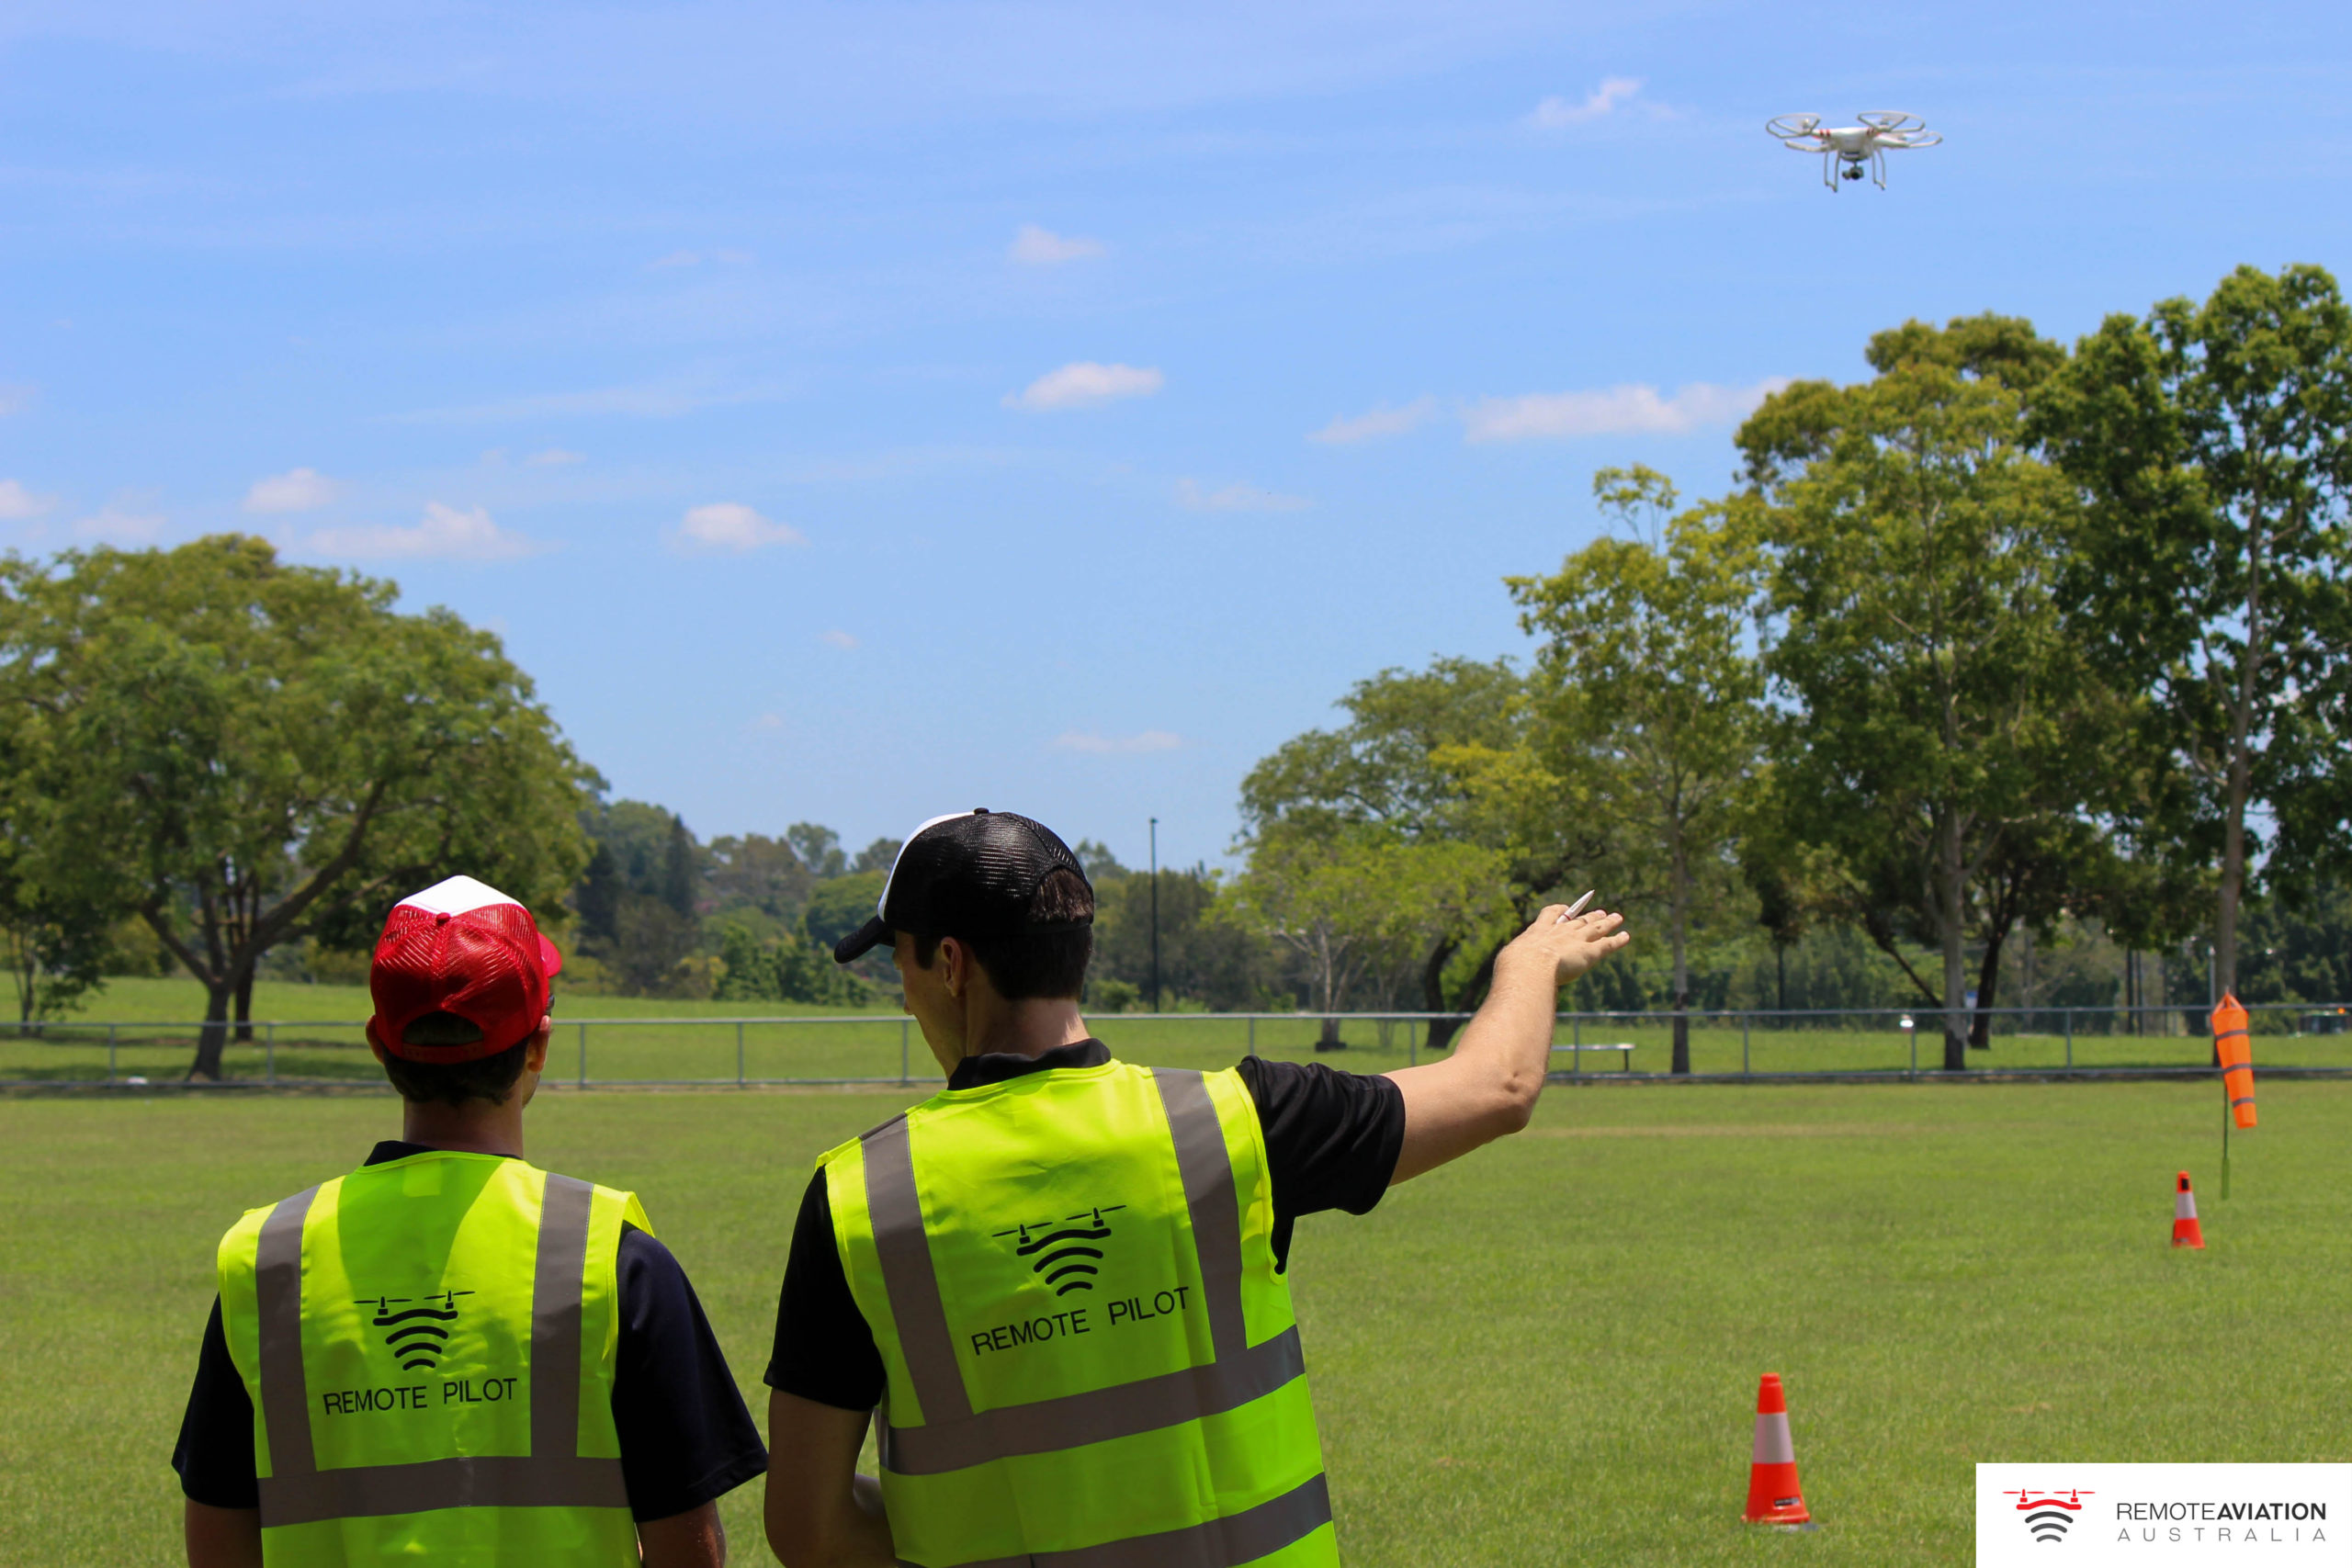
(975,873)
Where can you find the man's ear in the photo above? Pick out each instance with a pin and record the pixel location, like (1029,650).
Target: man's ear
(953,966)
(535,1051)
(375,1044)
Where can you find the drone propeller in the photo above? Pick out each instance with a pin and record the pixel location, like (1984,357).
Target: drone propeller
(1793,125)
(1898,139)
(1893,121)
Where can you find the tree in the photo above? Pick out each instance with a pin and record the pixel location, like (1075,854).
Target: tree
(1348,903)
(820,849)
(1444,755)
(755,872)
(879,855)
(54,937)
(1648,686)
(248,753)
(2213,448)
(1207,960)
(1938,718)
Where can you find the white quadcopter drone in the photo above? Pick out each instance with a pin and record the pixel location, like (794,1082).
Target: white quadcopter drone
(1846,149)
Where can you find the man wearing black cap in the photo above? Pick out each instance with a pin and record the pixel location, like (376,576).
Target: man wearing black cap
(1056,1288)
(450,1356)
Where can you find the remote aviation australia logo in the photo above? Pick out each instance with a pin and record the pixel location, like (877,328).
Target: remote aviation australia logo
(1059,1251)
(2047,1514)
(418,1335)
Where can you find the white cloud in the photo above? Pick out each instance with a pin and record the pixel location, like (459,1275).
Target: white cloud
(1558,114)
(839,640)
(1381,422)
(553,458)
(1083,384)
(1115,745)
(16,399)
(18,504)
(443,533)
(1618,411)
(1235,497)
(111,526)
(1033,246)
(766,721)
(300,490)
(730,526)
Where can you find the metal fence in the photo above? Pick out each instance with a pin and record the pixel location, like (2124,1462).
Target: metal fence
(879,1049)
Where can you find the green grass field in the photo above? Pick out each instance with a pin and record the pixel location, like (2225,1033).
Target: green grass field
(1545,1354)
(637,1040)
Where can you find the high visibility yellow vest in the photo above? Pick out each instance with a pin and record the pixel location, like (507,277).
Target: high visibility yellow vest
(1091,1361)
(429,1345)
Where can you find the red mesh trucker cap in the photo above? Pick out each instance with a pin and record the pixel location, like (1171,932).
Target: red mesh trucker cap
(464,947)
(973,874)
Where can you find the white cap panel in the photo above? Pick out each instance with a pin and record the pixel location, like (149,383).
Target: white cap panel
(456,895)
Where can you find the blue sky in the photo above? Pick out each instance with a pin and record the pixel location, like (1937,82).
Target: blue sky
(856,412)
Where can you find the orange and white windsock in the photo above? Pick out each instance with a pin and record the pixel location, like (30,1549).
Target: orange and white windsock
(2186,1231)
(1773,1496)
(2235,1052)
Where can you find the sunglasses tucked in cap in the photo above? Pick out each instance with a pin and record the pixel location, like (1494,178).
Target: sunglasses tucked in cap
(464,948)
(974,874)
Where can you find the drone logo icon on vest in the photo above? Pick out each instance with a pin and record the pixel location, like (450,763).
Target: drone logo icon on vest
(2047,1514)
(418,1335)
(1059,1249)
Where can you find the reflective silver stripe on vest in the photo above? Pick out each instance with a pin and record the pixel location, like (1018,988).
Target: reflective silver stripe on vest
(894,1210)
(553,1476)
(1239,1373)
(277,1299)
(1217,1544)
(1048,1425)
(1211,1203)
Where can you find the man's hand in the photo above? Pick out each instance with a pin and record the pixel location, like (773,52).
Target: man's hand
(1488,1088)
(1570,946)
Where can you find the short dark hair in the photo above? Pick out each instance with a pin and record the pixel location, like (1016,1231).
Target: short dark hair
(452,1083)
(1042,963)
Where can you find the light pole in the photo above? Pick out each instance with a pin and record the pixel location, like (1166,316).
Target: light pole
(1155,914)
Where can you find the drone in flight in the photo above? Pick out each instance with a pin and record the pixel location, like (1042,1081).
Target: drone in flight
(1845,150)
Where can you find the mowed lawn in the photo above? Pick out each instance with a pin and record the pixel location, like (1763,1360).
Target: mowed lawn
(1546,1354)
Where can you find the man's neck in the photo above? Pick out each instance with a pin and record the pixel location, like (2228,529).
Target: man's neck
(476,1127)
(1028,1028)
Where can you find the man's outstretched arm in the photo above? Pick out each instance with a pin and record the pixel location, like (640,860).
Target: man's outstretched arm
(1488,1087)
(820,1513)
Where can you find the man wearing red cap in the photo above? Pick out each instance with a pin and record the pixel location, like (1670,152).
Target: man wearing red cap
(1058,1290)
(449,1355)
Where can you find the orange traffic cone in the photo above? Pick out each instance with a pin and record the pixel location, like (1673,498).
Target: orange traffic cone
(1773,1496)
(2186,1231)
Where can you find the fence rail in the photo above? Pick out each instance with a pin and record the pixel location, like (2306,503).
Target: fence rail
(877,1049)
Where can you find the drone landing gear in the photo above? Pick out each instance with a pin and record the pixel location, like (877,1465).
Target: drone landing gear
(1837,166)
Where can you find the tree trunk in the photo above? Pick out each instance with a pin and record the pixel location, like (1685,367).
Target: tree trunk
(245,1008)
(1989,977)
(1680,1064)
(1953,896)
(214,1035)
(1443,1030)
(2225,925)
(1329,1039)
(1440,1029)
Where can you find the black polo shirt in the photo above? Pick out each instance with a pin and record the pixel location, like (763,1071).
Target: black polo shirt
(685,1436)
(1332,1140)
